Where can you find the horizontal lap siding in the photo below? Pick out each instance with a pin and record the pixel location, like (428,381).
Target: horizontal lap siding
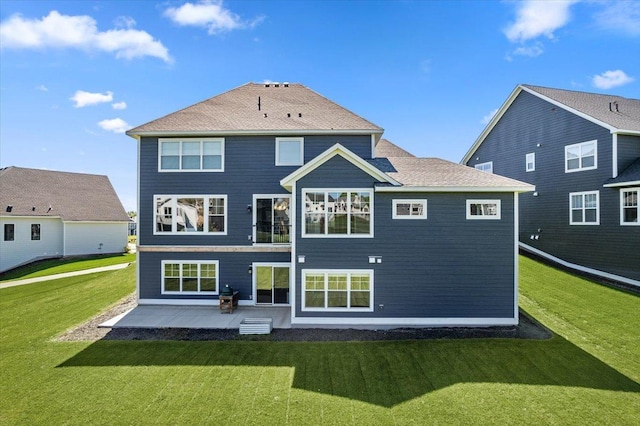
(442,267)
(531,121)
(628,151)
(233,270)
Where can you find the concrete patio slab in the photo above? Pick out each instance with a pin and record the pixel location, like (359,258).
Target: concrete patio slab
(207,317)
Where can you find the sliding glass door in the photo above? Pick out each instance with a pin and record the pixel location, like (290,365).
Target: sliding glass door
(272,225)
(271,283)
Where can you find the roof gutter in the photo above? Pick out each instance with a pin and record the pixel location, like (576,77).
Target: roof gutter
(274,132)
(518,189)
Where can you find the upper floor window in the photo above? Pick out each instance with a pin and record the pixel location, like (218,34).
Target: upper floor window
(191,155)
(35,231)
(9,231)
(483,209)
(485,167)
(272,222)
(190,277)
(584,208)
(337,213)
(191,214)
(409,209)
(581,156)
(629,207)
(530,162)
(289,151)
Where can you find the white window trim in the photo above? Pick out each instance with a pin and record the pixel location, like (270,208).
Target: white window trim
(254,218)
(530,158)
(622,191)
(394,213)
(485,167)
(326,235)
(180,170)
(173,218)
(581,169)
(300,161)
(197,262)
(484,217)
(583,193)
(326,273)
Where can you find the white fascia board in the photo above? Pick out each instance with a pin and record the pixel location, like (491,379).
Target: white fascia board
(8,217)
(341,322)
(257,132)
(621,184)
(517,189)
(337,149)
(626,132)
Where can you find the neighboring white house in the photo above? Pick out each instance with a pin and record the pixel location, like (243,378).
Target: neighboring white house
(52,214)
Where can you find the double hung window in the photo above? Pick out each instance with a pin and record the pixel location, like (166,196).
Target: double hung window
(581,156)
(629,206)
(337,290)
(9,231)
(196,214)
(530,162)
(35,231)
(584,208)
(191,155)
(190,277)
(338,213)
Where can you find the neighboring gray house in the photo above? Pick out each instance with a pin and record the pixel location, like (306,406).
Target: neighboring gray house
(582,153)
(278,192)
(47,214)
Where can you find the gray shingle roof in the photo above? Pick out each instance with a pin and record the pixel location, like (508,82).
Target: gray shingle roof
(629,175)
(71,196)
(384,148)
(597,106)
(260,108)
(435,172)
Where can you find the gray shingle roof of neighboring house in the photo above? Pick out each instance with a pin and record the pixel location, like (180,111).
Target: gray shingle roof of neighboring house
(260,108)
(616,111)
(630,175)
(384,148)
(71,196)
(438,173)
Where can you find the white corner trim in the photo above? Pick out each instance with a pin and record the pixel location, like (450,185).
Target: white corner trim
(579,267)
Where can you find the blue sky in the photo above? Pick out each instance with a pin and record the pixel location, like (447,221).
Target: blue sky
(74,75)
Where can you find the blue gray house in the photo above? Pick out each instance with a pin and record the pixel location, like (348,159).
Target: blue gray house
(582,153)
(293,200)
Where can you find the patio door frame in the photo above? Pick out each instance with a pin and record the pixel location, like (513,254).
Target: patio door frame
(254,285)
(254,209)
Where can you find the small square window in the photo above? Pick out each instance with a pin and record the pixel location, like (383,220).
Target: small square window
(289,151)
(584,208)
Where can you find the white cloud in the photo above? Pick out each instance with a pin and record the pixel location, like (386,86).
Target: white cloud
(487,118)
(538,18)
(209,14)
(78,32)
(620,17)
(115,125)
(42,88)
(611,79)
(124,22)
(531,51)
(119,105)
(83,99)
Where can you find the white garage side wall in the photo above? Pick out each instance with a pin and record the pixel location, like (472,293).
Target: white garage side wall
(23,249)
(94,237)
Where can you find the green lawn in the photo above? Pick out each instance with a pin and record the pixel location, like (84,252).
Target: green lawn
(59,266)
(587,374)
